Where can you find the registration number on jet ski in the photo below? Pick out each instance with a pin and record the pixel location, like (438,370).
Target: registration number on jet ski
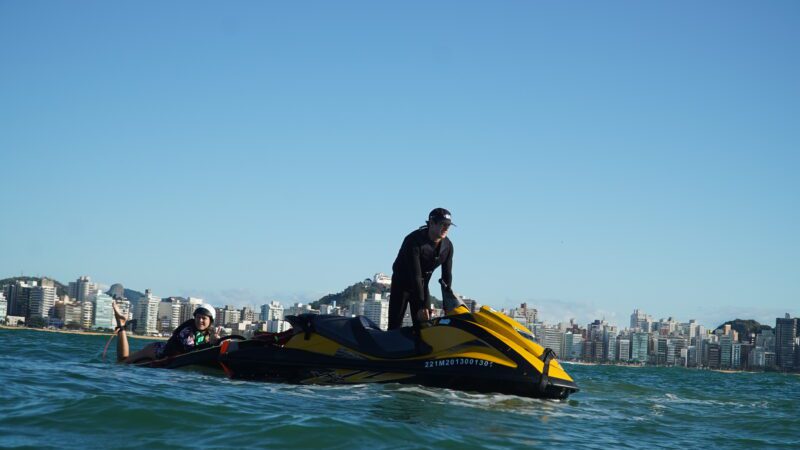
(458,362)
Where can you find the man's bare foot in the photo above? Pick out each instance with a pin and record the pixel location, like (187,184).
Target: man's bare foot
(121,319)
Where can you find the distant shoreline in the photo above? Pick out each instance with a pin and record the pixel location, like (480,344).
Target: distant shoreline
(85,333)
(587,363)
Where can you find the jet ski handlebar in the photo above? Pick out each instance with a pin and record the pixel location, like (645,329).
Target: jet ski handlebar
(449,300)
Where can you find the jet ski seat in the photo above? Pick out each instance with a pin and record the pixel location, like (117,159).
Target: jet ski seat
(362,335)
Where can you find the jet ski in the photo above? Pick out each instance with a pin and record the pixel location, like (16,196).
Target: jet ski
(484,351)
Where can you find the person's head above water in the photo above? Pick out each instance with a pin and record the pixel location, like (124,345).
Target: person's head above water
(204,316)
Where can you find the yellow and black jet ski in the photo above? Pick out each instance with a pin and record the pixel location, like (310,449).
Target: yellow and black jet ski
(484,351)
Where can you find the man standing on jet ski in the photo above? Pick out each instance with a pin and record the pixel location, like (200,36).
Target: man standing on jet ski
(423,250)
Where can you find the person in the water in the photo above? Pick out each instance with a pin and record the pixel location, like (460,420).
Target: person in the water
(191,335)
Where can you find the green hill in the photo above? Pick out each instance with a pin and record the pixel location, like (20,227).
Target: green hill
(61,289)
(355,291)
(745,327)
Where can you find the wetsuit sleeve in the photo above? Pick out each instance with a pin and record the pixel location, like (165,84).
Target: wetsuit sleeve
(175,344)
(417,293)
(447,269)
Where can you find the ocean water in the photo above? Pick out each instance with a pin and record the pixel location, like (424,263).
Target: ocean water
(57,392)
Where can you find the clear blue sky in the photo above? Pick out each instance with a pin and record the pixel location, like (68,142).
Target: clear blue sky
(597,156)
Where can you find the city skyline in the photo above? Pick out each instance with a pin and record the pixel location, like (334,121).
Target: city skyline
(596,159)
(645,340)
(544,317)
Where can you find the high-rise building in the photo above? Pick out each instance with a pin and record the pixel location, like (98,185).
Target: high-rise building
(300,308)
(271,311)
(569,341)
(756,359)
(228,315)
(247,314)
(624,349)
(524,315)
(3,308)
(597,348)
(146,312)
(770,361)
(87,314)
(537,330)
(701,343)
(277,326)
(18,296)
(103,312)
(41,301)
(736,356)
(169,314)
(725,351)
(766,340)
(662,347)
(639,343)
(744,358)
(587,350)
(713,355)
(331,309)
(554,338)
(785,336)
(691,356)
(175,315)
(576,348)
(671,350)
(83,289)
(679,350)
(640,321)
(797,355)
(610,345)
(377,310)
(73,313)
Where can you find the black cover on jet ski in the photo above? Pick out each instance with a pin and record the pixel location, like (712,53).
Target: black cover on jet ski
(362,334)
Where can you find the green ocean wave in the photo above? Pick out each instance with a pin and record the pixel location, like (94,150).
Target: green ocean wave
(57,392)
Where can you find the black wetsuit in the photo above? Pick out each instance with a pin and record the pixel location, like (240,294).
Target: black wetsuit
(183,340)
(411,272)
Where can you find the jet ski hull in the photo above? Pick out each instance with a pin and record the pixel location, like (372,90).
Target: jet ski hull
(467,374)
(482,352)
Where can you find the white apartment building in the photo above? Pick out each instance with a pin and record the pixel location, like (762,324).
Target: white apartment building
(3,308)
(377,310)
(87,314)
(382,278)
(553,338)
(103,313)
(276,326)
(83,289)
(271,311)
(41,302)
(146,312)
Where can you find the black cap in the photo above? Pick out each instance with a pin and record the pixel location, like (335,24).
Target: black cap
(440,215)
